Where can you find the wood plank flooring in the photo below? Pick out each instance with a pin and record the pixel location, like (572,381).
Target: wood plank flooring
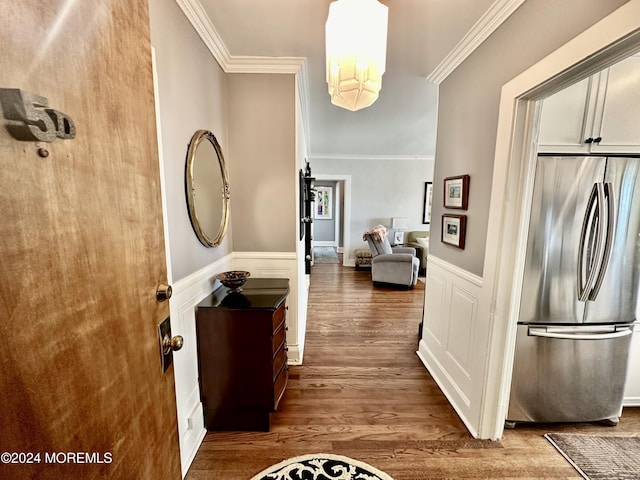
(362,392)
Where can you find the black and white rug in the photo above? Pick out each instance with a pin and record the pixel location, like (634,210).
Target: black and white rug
(321,466)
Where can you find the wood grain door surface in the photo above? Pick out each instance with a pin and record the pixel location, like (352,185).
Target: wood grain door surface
(82,249)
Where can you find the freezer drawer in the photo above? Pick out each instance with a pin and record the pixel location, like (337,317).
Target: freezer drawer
(569,374)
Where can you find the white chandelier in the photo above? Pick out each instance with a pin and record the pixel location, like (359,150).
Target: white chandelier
(356,43)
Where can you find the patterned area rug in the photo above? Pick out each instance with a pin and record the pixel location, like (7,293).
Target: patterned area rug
(600,457)
(321,466)
(325,255)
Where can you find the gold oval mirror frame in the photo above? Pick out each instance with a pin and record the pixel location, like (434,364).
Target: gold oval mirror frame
(207,188)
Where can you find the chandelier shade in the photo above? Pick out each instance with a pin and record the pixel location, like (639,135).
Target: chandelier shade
(356,48)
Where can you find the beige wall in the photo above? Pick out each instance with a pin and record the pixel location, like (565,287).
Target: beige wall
(253,118)
(192,96)
(468,108)
(262,162)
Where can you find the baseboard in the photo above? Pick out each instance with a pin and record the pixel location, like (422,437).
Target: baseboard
(294,355)
(324,243)
(191,455)
(446,386)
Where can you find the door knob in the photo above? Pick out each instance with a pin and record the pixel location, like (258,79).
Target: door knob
(172,344)
(163,292)
(167,343)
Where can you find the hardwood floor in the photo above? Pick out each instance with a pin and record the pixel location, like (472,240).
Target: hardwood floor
(362,392)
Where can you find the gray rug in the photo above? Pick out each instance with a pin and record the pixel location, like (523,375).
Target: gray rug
(325,255)
(321,466)
(600,457)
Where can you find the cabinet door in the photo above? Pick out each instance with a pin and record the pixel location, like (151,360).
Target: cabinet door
(618,120)
(567,118)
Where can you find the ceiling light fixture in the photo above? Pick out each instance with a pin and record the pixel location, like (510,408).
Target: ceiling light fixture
(356,43)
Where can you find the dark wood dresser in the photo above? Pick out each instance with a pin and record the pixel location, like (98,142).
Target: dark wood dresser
(242,354)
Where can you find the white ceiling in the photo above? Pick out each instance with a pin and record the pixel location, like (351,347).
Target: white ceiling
(421,34)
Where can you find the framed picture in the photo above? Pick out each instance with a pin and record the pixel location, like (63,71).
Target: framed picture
(454,230)
(324,203)
(456,192)
(426,205)
(398,238)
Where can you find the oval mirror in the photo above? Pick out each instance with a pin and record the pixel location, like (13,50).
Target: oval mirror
(207,188)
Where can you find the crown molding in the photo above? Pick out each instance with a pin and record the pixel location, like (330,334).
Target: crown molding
(302,90)
(297,66)
(244,64)
(495,16)
(368,158)
(201,22)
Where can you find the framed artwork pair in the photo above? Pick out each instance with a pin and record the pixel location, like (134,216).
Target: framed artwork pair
(456,196)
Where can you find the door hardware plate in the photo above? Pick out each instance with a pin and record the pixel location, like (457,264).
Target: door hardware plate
(164,330)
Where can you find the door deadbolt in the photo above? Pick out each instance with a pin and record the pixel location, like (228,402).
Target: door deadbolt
(163,292)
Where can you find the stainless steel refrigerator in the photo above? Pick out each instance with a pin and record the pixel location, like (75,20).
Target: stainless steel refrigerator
(580,291)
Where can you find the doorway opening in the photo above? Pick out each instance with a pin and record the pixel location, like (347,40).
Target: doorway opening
(613,39)
(334,229)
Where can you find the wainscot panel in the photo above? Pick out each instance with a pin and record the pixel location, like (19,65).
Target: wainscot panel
(190,291)
(447,347)
(187,293)
(280,265)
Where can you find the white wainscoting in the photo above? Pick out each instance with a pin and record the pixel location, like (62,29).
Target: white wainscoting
(282,265)
(187,293)
(190,291)
(451,337)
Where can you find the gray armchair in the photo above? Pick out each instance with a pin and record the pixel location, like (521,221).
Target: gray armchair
(396,266)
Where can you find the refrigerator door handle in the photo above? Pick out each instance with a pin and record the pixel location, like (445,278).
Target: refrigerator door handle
(590,247)
(609,220)
(567,333)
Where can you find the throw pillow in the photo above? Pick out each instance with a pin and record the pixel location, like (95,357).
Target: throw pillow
(423,242)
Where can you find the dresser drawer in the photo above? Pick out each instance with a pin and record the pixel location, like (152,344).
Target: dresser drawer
(279,361)
(278,339)
(279,386)
(279,316)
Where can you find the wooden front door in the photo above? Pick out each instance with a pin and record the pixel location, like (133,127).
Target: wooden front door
(81,387)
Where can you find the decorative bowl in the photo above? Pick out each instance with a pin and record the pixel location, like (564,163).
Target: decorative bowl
(233,280)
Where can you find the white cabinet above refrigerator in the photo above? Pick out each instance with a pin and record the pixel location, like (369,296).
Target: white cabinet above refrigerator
(600,114)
